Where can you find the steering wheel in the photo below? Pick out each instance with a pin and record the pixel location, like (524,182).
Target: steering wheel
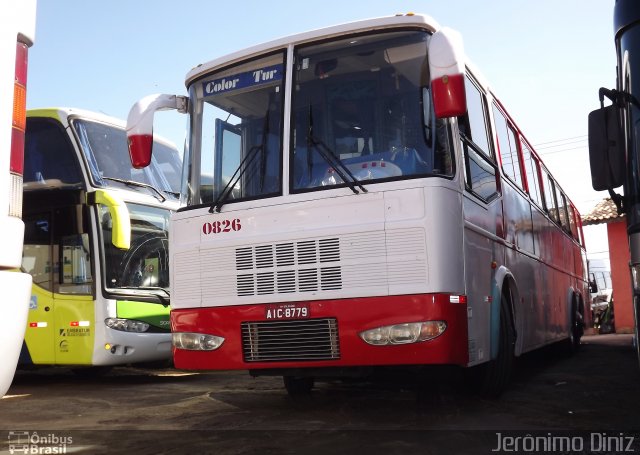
(149,246)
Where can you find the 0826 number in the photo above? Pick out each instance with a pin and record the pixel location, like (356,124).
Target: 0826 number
(221,226)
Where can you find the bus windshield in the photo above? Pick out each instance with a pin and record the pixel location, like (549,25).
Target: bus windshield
(362,104)
(105,149)
(146,264)
(361,112)
(241,130)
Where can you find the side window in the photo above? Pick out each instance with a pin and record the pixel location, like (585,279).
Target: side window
(531,168)
(71,244)
(549,197)
(480,167)
(167,159)
(480,174)
(48,154)
(37,257)
(474,124)
(578,226)
(573,223)
(508,147)
(562,208)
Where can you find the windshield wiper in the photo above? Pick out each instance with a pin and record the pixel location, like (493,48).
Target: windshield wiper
(175,194)
(330,157)
(235,178)
(138,184)
(243,166)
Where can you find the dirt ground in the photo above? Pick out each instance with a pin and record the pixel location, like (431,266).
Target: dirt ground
(589,401)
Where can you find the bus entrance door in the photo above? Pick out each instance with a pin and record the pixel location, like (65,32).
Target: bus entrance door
(74,305)
(74,331)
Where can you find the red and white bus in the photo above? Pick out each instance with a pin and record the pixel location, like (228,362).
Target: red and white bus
(356,197)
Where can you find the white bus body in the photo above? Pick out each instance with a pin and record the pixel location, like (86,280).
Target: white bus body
(449,243)
(17,33)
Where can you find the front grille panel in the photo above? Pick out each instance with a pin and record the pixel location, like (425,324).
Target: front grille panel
(362,264)
(305,266)
(281,341)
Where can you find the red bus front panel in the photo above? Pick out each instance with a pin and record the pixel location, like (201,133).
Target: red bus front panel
(322,333)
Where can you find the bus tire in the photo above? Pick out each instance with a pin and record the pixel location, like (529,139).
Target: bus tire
(496,374)
(298,386)
(636,317)
(576,329)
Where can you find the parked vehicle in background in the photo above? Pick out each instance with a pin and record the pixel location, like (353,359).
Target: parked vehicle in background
(95,242)
(357,197)
(601,301)
(600,287)
(614,139)
(17,34)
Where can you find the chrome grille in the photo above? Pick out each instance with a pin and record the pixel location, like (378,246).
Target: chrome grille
(280,341)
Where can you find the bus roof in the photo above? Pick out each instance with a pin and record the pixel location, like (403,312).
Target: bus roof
(60,113)
(404,20)
(63,113)
(399,20)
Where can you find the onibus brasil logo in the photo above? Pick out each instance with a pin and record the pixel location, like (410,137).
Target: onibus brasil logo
(33,443)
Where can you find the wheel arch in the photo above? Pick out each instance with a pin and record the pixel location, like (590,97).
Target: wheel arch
(504,281)
(574,301)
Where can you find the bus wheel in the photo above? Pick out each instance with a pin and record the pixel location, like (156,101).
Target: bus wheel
(576,329)
(297,386)
(495,375)
(636,316)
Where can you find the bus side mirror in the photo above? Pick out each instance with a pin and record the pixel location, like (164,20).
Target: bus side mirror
(140,125)
(606,148)
(446,69)
(121,228)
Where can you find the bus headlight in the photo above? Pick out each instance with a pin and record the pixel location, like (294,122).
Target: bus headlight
(196,341)
(411,332)
(126,325)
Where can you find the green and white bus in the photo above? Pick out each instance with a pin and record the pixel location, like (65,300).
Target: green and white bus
(96,242)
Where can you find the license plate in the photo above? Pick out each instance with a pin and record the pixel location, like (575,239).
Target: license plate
(288,311)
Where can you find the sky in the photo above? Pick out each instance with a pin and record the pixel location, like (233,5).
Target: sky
(544,59)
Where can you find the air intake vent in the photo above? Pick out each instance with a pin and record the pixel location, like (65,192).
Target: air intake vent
(266,283)
(245,285)
(264,256)
(307,253)
(281,341)
(331,278)
(286,281)
(244,258)
(329,250)
(303,266)
(285,254)
(308,280)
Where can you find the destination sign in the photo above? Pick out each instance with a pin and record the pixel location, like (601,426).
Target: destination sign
(243,80)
